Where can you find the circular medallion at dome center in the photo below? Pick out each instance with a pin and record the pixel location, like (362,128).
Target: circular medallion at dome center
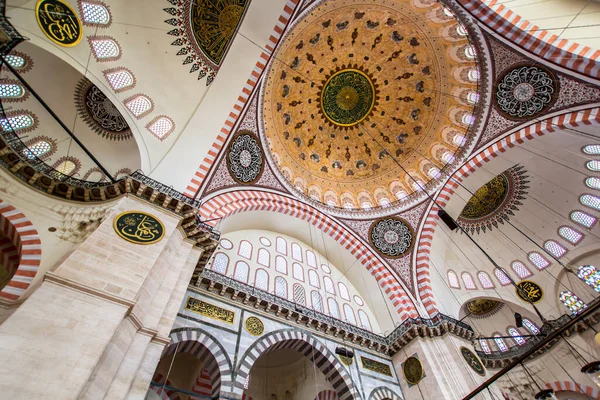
(347,97)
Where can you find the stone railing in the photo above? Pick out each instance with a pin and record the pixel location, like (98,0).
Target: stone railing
(390,344)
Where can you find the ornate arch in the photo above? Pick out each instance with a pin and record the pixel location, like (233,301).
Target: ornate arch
(164,394)
(22,249)
(199,343)
(383,393)
(233,202)
(549,125)
(571,386)
(540,42)
(327,395)
(311,348)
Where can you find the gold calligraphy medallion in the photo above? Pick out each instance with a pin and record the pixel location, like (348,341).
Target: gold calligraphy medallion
(59,22)
(472,360)
(413,370)
(254,326)
(529,291)
(139,228)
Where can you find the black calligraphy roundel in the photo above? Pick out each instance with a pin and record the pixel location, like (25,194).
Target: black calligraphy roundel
(59,22)
(139,227)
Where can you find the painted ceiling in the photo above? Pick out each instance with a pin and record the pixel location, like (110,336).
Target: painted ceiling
(359,95)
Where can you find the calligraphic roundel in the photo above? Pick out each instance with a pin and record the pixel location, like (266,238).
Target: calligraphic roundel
(59,22)
(139,227)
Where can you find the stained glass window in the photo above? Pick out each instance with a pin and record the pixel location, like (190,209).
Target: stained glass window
(344,294)
(245,249)
(11,91)
(329,287)
(448,12)
(298,272)
(468,281)
(593,165)
(226,244)
(447,157)
(468,119)
(516,336)
(433,172)
(470,52)
(281,287)
(105,49)
(538,260)
(592,149)
(502,277)
(313,278)
(484,346)
(358,300)
(531,327)
(311,259)
(299,294)
(555,248)
(139,105)
(364,320)
(296,252)
(94,13)
(583,219)
(66,167)
(572,302)
(38,149)
(316,301)
(220,263)
(473,97)
(120,79)
(265,241)
(458,140)
(500,343)
(161,127)
(15,61)
(281,245)
(334,309)
(569,234)
(16,122)
(520,269)
(593,182)
(473,75)
(241,272)
(261,280)
(264,257)
(349,313)
(590,275)
(485,280)
(590,201)
(453,280)
(281,265)
(462,31)
(325,269)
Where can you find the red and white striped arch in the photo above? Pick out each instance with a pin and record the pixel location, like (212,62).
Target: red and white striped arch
(530,37)
(570,386)
(255,200)
(21,253)
(327,395)
(568,120)
(196,182)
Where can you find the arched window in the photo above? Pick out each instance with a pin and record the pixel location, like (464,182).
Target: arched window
(311,259)
(555,248)
(572,302)
(502,277)
(241,272)
(120,79)
(220,263)
(264,258)
(364,320)
(590,201)
(590,275)
(453,280)
(37,149)
(349,313)
(473,75)
(95,13)
(281,287)
(17,62)
(313,278)
(358,300)
(298,272)
(296,252)
(500,343)
(281,245)
(139,105)
(433,172)
(570,235)
(105,48)
(461,30)
(516,336)
(66,167)
(447,157)
(226,244)
(261,280)
(11,91)
(583,219)
(538,260)
(468,119)
(473,97)
(334,309)
(531,327)
(281,265)
(468,281)
(344,294)
(470,52)
(16,122)
(329,287)
(485,280)
(592,149)
(325,269)
(458,140)
(316,301)
(593,165)
(448,12)
(299,294)
(593,182)
(484,346)
(161,127)
(520,269)
(245,249)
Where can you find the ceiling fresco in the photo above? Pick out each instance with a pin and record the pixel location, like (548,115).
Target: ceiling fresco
(358,97)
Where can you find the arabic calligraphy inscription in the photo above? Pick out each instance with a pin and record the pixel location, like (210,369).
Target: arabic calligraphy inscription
(59,22)
(139,227)
(529,291)
(413,370)
(473,361)
(209,310)
(376,366)
(254,326)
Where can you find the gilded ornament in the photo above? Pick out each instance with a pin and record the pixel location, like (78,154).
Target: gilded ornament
(346,360)
(139,227)
(254,326)
(413,370)
(376,366)
(59,22)
(348,97)
(472,361)
(529,291)
(483,307)
(209,310)
(392,237)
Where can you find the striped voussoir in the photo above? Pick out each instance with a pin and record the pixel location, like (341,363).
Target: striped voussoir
(383,393)
(540,42)
(21,252)
(327,395)
(196,181)
(550,125)
(164,393)
(571,386)
(203,386)
(204,347)
(237,201)
(300,341)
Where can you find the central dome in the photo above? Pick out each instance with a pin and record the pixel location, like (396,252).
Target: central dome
(362,97)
